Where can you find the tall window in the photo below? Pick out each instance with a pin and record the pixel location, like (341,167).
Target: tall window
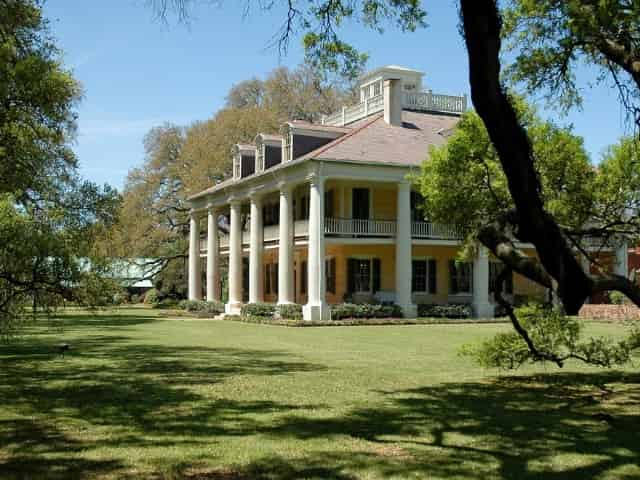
(376,88)
(460,277)
(328,204)
(495,269)
(417,214)
(330,274)
(271,278)
(423,276)
(363,275)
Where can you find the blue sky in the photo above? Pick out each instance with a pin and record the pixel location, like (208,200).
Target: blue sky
(138,72)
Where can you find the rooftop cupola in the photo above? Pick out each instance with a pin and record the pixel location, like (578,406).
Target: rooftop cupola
(372,83)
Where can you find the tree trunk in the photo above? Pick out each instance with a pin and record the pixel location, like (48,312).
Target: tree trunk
(482,25)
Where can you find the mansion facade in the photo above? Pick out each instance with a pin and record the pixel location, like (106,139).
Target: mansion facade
(324,212)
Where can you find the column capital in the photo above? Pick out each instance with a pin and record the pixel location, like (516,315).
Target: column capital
(256,196)
(314,178)
(285,187)
(213,209)
(404,185)
(234,202)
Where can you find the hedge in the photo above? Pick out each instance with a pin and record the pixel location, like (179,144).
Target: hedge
(364,310)
(445,311)
(214,308)
(290,311)
(258,310)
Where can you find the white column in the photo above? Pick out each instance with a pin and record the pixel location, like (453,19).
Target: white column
(316,307)
(195,279)
(482,307)
(235,261)
(255,251)
(285,247)
(213,257)
(621,266)
(403,252)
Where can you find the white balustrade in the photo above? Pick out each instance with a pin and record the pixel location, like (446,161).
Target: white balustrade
(434,230)
(355,227)
(424,101)
(359,227)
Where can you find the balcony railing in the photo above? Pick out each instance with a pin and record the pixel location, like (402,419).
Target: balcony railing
(434,231)
(359,227)
(352,227)
(424,101)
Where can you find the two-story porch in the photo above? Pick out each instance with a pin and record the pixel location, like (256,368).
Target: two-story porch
(324,213)
(322,233)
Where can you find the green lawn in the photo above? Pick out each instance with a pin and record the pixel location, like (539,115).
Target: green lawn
(142,397)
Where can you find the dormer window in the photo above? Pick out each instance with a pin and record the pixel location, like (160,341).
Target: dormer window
(244,161)
(300,137)
(268,150)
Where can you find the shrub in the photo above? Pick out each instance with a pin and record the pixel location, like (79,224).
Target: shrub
(121,298)
(212,307)
(135,298)
(445,311)
(617,298)
(152,297)
(364,310)
(557,337)
(258,310)
(291,311)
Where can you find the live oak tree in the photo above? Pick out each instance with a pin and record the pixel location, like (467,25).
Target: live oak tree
(49,216)
(180,161)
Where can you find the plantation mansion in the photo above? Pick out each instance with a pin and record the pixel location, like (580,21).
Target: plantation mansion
(332,216)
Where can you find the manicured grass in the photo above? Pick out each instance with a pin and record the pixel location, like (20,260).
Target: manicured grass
(143,397)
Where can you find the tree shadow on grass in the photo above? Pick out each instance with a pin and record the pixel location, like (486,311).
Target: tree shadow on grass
(127,395)
(554,426)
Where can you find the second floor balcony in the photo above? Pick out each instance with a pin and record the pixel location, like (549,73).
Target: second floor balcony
(349,228)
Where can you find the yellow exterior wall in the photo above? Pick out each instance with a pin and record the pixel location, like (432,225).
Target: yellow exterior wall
(386,254)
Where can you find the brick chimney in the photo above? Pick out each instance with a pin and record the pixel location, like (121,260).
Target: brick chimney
(392,91)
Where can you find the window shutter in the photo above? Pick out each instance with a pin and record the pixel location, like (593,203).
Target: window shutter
(453,280)
(376,275)
(274,273)
(509,285)
(433,285)
(351,279)
(267,278)
(303,280)
(331,281)
(414,287)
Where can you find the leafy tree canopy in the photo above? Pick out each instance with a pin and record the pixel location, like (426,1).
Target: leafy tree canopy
(463,183)
(49,217)
(181,161)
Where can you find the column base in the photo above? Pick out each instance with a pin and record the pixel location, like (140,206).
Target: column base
(316,312)
(233,308)
(483,310)
(409,311)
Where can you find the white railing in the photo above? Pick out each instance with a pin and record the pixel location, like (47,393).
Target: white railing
(352,227)
(434,102)
(359,227)
(424,101)
(434,230)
